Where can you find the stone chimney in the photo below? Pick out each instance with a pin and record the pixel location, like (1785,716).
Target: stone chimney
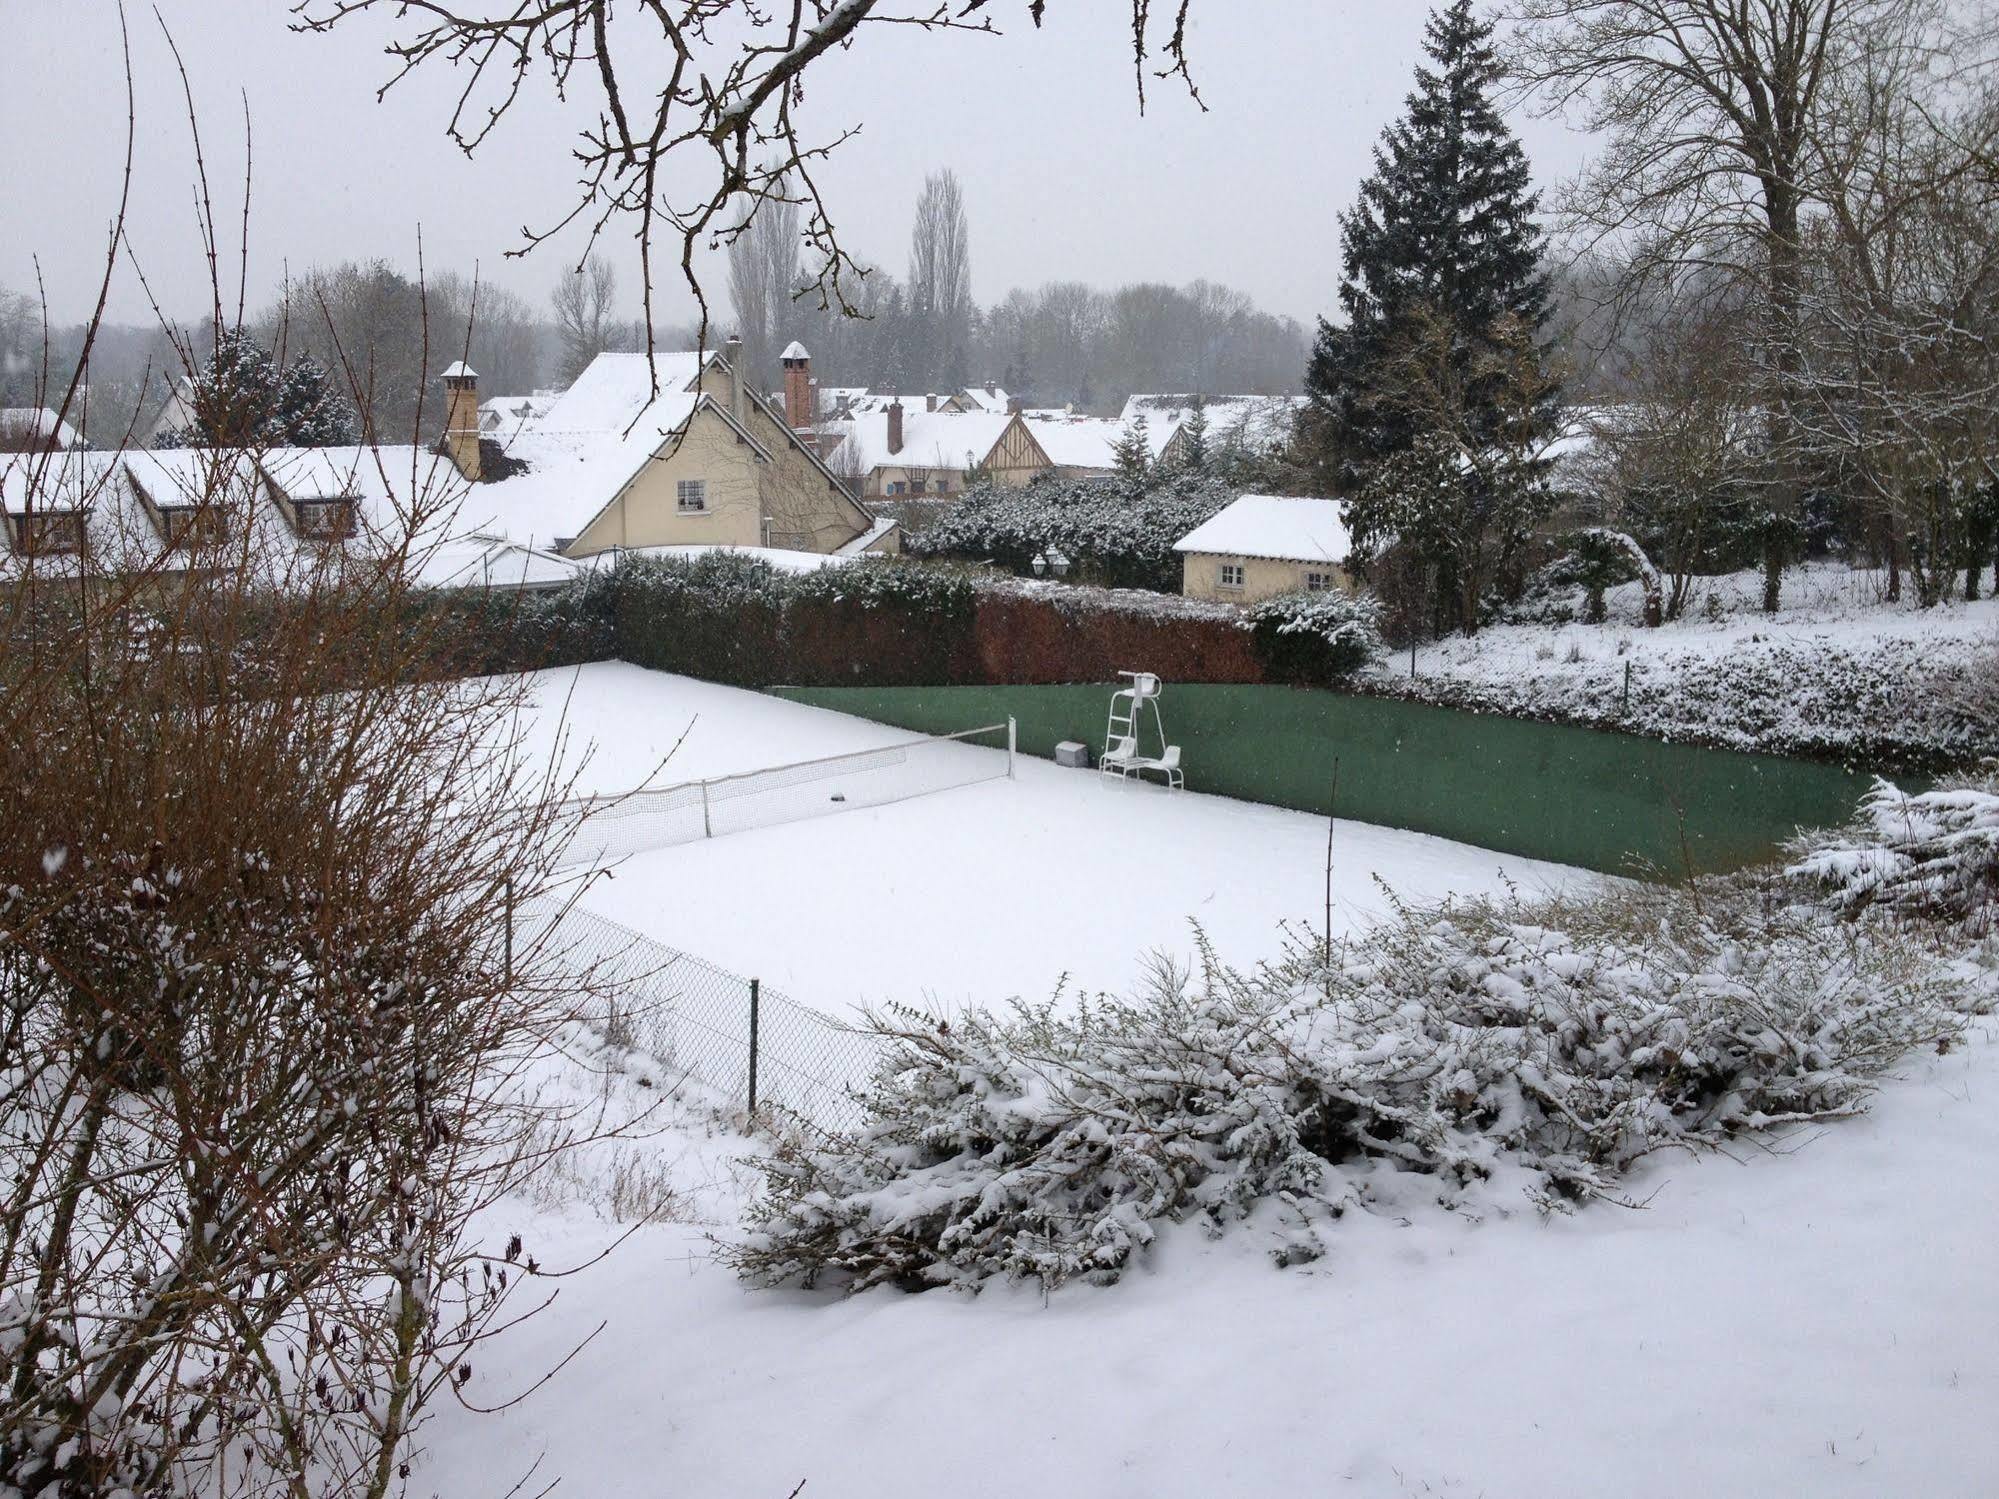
(461,418)
(895,427)
(1013,405)
(930,403)
(798,387)
(732,351)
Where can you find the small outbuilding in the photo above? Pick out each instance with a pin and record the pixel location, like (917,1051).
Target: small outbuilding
(1263,545)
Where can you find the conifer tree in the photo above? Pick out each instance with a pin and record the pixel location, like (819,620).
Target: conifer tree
(1132,452)
(311,412)
(1443,228)
(1194,451)
(1430,402)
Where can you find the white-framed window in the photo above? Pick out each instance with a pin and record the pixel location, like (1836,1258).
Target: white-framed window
(1229,575)
(691,495)
(1318,582)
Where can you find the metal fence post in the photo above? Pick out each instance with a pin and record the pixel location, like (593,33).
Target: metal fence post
(510,932)
(706,830)
(755,998)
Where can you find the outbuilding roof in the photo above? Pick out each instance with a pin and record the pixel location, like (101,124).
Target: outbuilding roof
(1273,526)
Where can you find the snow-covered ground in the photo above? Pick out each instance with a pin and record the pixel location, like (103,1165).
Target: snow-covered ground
(1814,1319)
(1837,672)
(973,895)
(1825,603)
(1813,1316)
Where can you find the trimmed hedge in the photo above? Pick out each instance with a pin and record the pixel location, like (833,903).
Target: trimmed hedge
(884,623)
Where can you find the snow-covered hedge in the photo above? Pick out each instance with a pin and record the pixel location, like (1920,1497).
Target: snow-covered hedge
(1897,703)
(1117,531)
(1934,854)
(1477,1050)
(1315,637)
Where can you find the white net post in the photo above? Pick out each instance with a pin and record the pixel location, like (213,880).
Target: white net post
(1010,745)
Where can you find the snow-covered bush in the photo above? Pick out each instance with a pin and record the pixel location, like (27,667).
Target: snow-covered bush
(1117,531)
(1934,854)
(1467,1052)
(1315,637)
(1894,703)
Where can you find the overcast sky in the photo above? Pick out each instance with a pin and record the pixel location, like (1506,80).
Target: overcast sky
(1062,176)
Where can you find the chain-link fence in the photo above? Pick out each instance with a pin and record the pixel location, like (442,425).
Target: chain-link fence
(612,827)
(753,1045)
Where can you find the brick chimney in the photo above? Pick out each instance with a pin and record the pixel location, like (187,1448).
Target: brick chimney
(895,426)
(798,387)
(732,351)
(930,403)
(461,418)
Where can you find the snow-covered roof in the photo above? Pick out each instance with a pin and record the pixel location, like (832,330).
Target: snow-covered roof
(614,388)
(1089,441)
(36,424)
(459,370)
(1249,420)
(930,439)
(1263,525)
(882,526)
(504,412)
(407,499)
(794,350)
(781,558)
(986,397)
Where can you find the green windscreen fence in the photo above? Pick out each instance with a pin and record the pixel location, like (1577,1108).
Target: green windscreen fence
(1604,801)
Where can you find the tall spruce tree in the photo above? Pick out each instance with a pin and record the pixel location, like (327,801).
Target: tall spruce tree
(1441,251)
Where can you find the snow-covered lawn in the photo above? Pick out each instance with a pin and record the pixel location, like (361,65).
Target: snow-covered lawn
(977,894)
(1814,1320)
(1824,603)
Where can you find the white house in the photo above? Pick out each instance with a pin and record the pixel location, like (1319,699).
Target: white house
(1264,545)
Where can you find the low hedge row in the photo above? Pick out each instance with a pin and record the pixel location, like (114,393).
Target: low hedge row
(731,617)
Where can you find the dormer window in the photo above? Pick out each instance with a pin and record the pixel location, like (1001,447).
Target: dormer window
(325,520)
(47,533)
(195,525)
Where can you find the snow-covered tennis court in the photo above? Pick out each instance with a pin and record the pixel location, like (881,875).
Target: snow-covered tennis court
(1810,1315)
(972,895)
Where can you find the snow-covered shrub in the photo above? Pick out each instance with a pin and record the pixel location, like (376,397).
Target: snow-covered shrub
(1467,1052)
(1897,702)
(1934,854)
(1315,637)
(1117,531)
(719,617)
(881,621)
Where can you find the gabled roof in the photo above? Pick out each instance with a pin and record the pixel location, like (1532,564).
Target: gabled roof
(614,388)
(1255,422)
(1089,441)
(23,424)
(1287,530)
(930,439)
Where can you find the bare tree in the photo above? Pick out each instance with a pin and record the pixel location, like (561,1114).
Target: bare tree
(582,301)
(715,87)
(764,283)
(1900,363)
(1709,112)
(940,278)
(1671,462)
